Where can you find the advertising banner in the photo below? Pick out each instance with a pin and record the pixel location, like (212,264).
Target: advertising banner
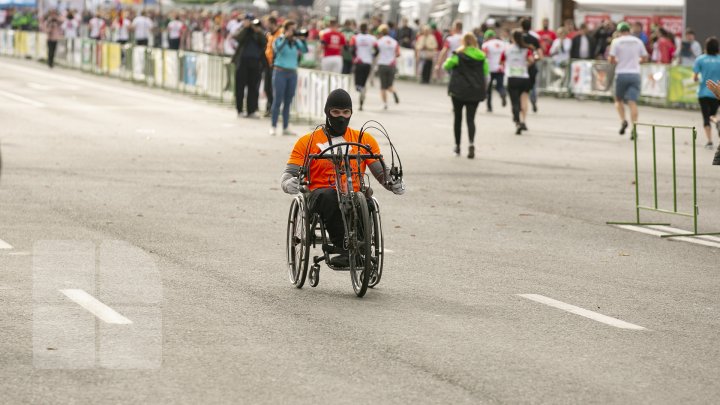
(114,59)
(593,21)
(654,80)
(189,73)
(171,70)
(682,88)
(581,77)
(138,63)
(201,73)
(603,74)
(673,24)
(406,63)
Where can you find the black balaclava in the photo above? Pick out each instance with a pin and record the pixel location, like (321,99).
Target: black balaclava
(338,98)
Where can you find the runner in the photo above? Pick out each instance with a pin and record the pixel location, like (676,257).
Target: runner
(493,49)
(626,53)
(363,45)
(517,59)
(388,50)
(707,67)
(332,45)
(450,45)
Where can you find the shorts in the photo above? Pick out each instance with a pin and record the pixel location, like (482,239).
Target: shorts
(627,86)
(387,76)
(523,84)
(362,72)
(331,64)
(709,107)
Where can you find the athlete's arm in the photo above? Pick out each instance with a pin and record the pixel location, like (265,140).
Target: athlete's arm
(397,187)
(289,181)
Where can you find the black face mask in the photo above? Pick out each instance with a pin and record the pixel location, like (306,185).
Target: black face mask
(337,125)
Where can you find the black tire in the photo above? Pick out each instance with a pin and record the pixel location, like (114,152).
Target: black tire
(361,245)
(297,244)
(378,249)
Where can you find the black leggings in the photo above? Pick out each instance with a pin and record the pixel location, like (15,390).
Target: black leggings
(471,110)
(709,107)
(324,201)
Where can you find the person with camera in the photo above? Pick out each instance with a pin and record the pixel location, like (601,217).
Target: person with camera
(249,59)
(287,50)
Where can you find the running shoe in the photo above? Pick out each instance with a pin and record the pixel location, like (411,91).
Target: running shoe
(709,145)
(489,109)
(385,107)
(716,159)
(534,105)
(267,114)
(273,131)
(395,96)
(523,127)
(504,101)
(518,130)
(288,132)
(471,152)
(457,150)
(623,127)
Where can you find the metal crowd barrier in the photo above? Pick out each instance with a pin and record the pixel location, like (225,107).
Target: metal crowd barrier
(655,207)
(190,72)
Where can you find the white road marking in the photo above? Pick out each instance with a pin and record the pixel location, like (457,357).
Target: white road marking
(654,230)
(19,254)
(388,251)
(608,320)
(4,245)
(25,100)
(95,307)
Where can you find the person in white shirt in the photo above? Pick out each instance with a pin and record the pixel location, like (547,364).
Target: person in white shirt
(493,49)
(70,26)
(142,26)
(363,47)
(122,29)
(174,29)
(517,59)
(388,50)
(450,44)
(626,53)
(97,26)
(560,48)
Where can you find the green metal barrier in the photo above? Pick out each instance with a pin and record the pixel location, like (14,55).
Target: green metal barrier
(655,207)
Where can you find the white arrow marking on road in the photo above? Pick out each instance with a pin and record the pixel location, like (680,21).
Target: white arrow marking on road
(95,307)
(582,312)
(21,99)
(4,245)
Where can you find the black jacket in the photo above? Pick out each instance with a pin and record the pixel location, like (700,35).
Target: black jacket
(245,35)
(575,48)
(467,79)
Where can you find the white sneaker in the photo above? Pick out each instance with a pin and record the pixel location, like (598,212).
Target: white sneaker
(273,131)
(288,132)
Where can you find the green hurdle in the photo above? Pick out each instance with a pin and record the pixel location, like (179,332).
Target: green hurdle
(656,208)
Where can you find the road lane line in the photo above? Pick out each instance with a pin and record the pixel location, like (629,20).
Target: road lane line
(655,231)
(21,99)
(4,245)
(95,307)
(608,320)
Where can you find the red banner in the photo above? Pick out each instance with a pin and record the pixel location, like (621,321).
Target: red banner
(671,23)
(594,21)
(644,20)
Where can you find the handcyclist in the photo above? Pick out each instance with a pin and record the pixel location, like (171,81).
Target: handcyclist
(322,198)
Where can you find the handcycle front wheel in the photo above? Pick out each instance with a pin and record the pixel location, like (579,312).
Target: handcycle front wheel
(298,241)
(361,245)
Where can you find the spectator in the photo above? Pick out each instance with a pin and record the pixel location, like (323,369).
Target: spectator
(663,48)
(560,49)
(333,43)
(406,35)
(388,50)
(175,29)
(494,49)
(707,67)
(690,49)
(639,32)
(53,29)
(249,59)
(363,46)
(142,27)
(626,53)
(273,33)
(286,51)
(425,50)
(582,44)
(122,28)
(547,36)
(517,59)
(467,87)
(70,26)
(436,32)
(96,27)
(603,36)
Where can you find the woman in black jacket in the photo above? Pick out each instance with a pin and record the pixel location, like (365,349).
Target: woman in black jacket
(469,73)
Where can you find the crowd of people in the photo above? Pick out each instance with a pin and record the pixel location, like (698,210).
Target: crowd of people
(493,57)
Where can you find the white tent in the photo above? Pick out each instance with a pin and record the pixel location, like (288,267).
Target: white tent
(631,6)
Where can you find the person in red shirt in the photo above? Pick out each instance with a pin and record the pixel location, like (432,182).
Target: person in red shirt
(436,32)
(547,36)
(664,48)
(333,42)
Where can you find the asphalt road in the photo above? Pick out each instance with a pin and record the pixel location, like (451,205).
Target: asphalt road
(167,209)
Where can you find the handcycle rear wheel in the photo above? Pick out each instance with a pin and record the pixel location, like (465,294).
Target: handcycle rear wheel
(298,242)
(378,248)
(360,245)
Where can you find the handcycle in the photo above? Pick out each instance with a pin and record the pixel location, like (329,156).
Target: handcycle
(363,239)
